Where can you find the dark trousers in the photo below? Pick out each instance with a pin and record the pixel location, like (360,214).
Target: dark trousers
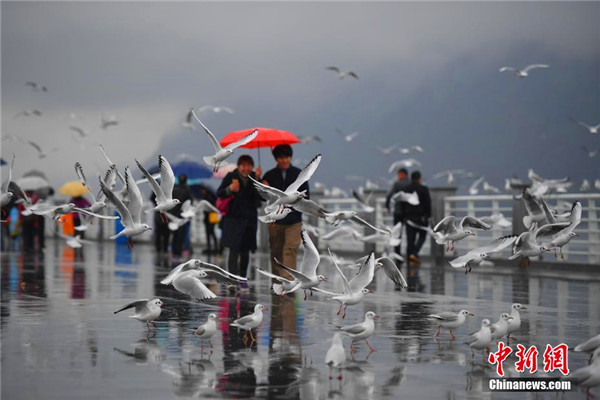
(161,236)
(178,240)
(398,218)
(238,262)
(210,237)
(414,240)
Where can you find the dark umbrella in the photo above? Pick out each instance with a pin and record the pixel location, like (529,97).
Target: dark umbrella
(192,169)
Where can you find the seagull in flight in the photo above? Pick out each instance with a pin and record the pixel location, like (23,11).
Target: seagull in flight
(41,153)
(406,150)
(131,216)
(476,256)
(29,113)
(188,124)
(342,74)
(216,109)
(164,191)
(348,138)
(590,128)
(590,153)
(532,244)
(450,233)
(523,73)
(222,153)
(387,150)
(406,163)
(36,87)
(80,131)
(291,195)
(109,121)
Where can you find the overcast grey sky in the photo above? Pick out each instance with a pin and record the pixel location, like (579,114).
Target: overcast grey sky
(428,76)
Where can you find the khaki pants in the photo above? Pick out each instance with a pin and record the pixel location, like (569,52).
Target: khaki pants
(284,241)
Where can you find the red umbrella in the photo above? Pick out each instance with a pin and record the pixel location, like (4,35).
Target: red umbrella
(267,137)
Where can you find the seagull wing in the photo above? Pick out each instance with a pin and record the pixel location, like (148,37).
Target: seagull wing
(391,270)
(86,212)
(135,197)
(220,277)
(335,69)
(446,225)
(121,209)
(305,174)
(216,268)
(354,329)
(264,188)
(243,141)
(189,284)
(186,266)
(472,222)
(364,276)
(211,136)
(575,217)
(270,275)
(444,316)
(503,69)
(352,74)
(246,319)
(358,219)
(346,289)
(535,66)
(297,275)
(464,259)
(139,305)
(6,183)
(35,146)
(547,231)
(532,206)
(160,196)
(167,177)
(547,213)
(311,258)
(206,205)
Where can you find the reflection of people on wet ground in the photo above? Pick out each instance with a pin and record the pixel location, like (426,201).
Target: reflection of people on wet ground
(32,226)
(409,324)
(181,192)
(285,357)
(237,379)
(413,279)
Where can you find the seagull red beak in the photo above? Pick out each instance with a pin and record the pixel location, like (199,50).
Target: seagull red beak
(377,316)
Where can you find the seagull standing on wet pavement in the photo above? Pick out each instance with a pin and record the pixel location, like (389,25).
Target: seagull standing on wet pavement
(250,322)
(450,320)
(481,339)
(222,153)
(145,310)
(501,326)
(514,324)
(207,329)
(336,355)
(361,331)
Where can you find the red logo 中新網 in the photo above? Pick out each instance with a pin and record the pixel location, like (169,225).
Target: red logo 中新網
(555,358)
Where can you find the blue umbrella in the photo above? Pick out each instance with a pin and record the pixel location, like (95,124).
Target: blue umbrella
(192,169)
(2,162)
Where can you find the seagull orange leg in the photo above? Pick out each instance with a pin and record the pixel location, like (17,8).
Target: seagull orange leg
(345,308)
(339,309)
(438,331)
(452,334)
(371,348)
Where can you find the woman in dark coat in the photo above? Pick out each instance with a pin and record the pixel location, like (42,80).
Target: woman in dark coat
(239,225)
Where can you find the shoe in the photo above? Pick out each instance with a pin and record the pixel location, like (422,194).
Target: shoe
(244,286)
(414,258)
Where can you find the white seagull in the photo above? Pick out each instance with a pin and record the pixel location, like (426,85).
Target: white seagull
(97,204)
(588,376)
(222,153)
(41,153)
(387,150)
(189,282)
(213,272)
(590,153)
(593,129)
(354,291)
(407,163)
(342,74)
(29,113)
(336,355)
(5,195)
(361,331)
(106,122)
(564,236)
(207,329)
(350,137)
(514,324)
(473,188)
(291,194)
(164,191)
(589,346)
(525,71)
(450,320)
(481,339)
(80,131)
(532,244)
(131,216)
(501,326)
(476,256)
(410,198)
(145,310)
(249,322)
(406,150)
(450,233)
(216,109)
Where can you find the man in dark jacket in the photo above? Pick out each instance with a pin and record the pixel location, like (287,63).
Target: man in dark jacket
(285,235)
(420,215)
(398,186)
(181,192)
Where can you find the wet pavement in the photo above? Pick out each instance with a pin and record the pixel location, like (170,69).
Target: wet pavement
(61,340)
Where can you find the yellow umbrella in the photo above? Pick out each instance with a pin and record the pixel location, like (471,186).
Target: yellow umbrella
(73,189)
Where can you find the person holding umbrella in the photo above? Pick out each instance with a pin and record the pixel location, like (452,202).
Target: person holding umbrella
(240,221)
(285,234)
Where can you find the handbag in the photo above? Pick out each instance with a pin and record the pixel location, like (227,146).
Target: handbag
(223,204)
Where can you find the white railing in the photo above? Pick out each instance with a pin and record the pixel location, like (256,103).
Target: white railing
(583,249)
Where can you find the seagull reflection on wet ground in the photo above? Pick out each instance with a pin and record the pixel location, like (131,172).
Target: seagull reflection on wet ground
(60,339)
